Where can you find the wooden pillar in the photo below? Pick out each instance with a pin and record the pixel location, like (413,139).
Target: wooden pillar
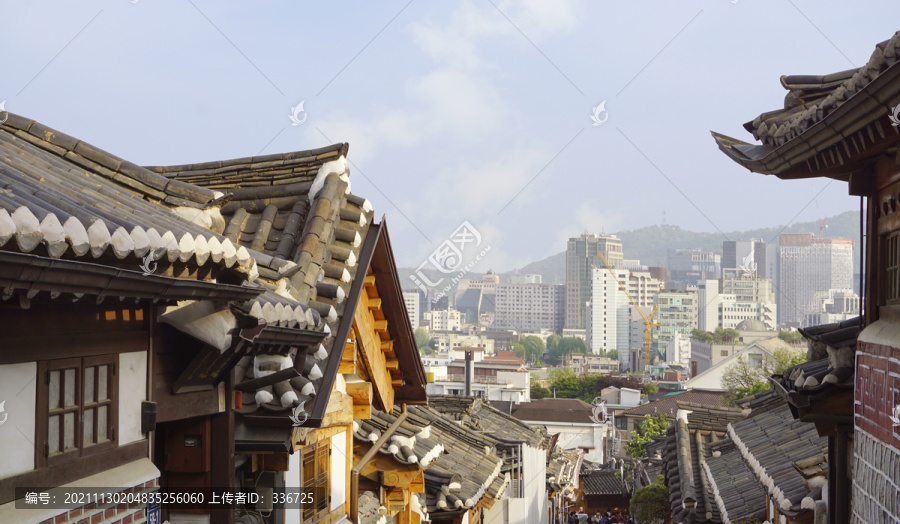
(222,454)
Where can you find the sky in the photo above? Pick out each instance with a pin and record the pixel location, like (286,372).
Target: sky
(480,112)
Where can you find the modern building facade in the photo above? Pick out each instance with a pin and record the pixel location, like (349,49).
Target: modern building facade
(606,316)
(444,320)
(809,266)
(686,267)
(741,298)
(677,314)
(411,299)
(581,258)
(530,306)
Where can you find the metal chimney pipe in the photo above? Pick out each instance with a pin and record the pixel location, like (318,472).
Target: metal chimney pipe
(468,372)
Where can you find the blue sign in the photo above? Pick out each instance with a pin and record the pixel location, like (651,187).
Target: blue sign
(153,516)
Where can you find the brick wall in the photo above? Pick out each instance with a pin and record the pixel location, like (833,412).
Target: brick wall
(876,441)
(877,391)
(108,514)
(876,481)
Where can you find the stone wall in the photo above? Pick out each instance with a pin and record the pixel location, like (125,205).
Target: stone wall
(876,481)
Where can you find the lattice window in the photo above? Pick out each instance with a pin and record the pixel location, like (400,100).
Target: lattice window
(316,465)
(77,410)
(892,268)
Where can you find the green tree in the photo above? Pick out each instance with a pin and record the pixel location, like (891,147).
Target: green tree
(791,337)
(613,354)
(518,349)
(538,392)
(650,427)
(565,383)
(649,388)
(731,335)
(421,337)
(650,504)
(553,342)
(702,336)
(534,347)
(743,379)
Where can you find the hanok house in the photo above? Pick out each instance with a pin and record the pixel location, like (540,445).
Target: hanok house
(604,489)
(731,465)
(540,473)
(93,250)
(140,308)
(426,467)
(315,244)
(846,126)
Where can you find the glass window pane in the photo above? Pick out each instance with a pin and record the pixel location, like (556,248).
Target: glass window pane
(101,384)
(88,385)
(88,427)
(101,423)
(68,431)
(69,387)
(54,389)
(53,434)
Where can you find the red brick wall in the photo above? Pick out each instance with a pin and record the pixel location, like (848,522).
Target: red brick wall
(877,391)
(121,514)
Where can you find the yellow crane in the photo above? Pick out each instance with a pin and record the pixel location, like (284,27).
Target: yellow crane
(648,320)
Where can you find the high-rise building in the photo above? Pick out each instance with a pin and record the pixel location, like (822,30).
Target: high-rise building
(677,313)
(808,267)
(411,299)
(607,317)
(747,256)
(687,267)
(642,286)
(581,258)
(530,306)
(730,301)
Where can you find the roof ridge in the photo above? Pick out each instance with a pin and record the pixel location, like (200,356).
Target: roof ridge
(152,185)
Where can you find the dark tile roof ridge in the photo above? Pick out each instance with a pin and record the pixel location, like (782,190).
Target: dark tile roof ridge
(110,166)
(59,200)
(234,164)
(762,435)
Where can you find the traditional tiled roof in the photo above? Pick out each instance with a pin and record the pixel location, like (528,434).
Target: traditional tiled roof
(295,213)
(668,405)
(563,467)
(480,415)
(555,410)
(460,466)
(735,490)
(61,197)
(823,370)
(603,482)
(787,456)
(826,120)
(696,429)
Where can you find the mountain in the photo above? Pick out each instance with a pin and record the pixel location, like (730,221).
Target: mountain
(651,244)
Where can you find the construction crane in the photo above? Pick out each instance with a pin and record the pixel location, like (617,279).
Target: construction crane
(648,320)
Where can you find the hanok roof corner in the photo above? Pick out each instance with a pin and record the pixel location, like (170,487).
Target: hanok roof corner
(830,124)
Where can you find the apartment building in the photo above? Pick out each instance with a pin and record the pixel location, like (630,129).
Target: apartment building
(581,258)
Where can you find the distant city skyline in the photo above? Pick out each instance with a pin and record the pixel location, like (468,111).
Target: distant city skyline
(476,111)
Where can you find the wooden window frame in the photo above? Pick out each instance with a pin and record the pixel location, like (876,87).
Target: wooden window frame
(319,455)
(891,268)
(42,457)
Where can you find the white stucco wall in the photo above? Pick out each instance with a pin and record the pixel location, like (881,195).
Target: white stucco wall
(576,435)
(535,470)
(17,393)
(292,483)
(339,467)
(132,391)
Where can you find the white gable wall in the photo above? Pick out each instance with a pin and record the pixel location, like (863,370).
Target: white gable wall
(17,393)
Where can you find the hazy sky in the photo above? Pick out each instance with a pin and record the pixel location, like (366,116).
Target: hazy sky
(474,111)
